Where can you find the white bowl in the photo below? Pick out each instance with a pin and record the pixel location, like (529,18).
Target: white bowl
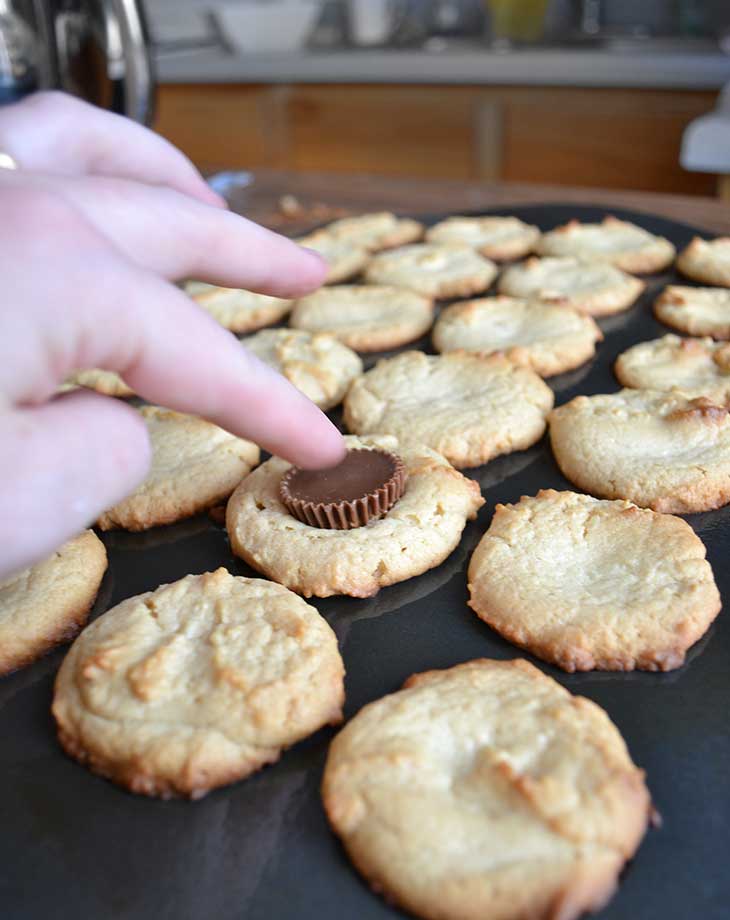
(279,25)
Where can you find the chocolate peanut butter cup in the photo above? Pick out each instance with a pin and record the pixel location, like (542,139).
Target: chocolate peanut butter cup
(365,486)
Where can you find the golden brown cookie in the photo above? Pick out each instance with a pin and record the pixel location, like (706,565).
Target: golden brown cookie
(486,792)
(619,242)
(706,261)
(107,382)
(695,310)
(195,465)
(435,270)
(589,286)
(547,337)
(49,602)
(197,684)
(381,230)
(316,363)
(467,407)
(238,310)
(660,450)
(588,584)
(697,367)
(365,317)
(417,534)
(498,238)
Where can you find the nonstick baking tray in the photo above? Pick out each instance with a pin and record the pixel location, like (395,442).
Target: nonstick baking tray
(75,846)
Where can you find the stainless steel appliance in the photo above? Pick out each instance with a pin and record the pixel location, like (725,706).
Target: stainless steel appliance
(96,49)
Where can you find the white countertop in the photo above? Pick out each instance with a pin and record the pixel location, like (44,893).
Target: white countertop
(560,67)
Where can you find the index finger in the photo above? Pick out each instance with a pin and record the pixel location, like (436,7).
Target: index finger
(169,350)
(173,236)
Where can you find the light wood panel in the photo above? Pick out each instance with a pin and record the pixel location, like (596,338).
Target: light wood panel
(612,138)
(221,126)
(390,130)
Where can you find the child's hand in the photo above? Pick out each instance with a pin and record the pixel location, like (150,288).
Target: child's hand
(86,265)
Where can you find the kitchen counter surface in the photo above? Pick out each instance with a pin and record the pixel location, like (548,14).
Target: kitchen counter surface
(465,64)
(324,196)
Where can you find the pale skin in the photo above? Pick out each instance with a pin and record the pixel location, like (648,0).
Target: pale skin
(96,226)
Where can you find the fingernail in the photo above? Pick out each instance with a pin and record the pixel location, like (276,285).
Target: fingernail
(219,200)
(313,252)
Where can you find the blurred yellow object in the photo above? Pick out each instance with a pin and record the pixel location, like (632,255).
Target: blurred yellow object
(516,20)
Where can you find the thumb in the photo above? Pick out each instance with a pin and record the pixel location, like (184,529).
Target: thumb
(61,465)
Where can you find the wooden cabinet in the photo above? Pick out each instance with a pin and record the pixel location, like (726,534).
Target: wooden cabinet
(610,138)
(614,138)
(392,130)
(217,126)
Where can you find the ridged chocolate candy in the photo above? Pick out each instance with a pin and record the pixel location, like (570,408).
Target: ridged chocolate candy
(363,487)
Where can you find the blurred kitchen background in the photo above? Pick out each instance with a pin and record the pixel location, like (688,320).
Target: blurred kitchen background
(574,92)
(604,93)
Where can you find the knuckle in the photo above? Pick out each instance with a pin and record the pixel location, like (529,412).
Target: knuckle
(38,220)
(54,101)
(44,209)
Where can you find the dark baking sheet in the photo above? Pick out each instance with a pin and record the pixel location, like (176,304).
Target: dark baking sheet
(75,846)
